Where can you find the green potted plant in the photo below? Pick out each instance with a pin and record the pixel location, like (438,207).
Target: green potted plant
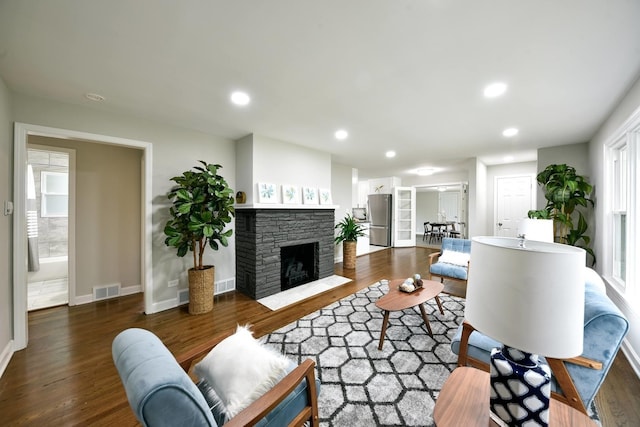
(565,190)
(349,231)
(202,206)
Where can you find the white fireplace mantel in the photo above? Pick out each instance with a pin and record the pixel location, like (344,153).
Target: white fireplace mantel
(283,206)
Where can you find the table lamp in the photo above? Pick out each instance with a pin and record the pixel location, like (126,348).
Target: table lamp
(536,229)
(529,295)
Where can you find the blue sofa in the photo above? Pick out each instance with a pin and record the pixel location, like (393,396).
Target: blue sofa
(453,268)
(574,381)
(161,393)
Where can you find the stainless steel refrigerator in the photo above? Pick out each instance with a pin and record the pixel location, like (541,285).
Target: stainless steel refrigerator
(380,218)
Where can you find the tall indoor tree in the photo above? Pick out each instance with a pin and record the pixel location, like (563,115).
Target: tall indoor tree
(565,191)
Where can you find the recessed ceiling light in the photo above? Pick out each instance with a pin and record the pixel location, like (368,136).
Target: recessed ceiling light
(94,97)
(425,171)
(509,132)
(495,89)
(390,154)
(240,98)
(341,134)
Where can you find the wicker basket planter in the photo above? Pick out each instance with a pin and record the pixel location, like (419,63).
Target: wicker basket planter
(349,254)
(201,290)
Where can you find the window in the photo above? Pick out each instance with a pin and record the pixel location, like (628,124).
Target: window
(55,194)
(619,213)
(622,215)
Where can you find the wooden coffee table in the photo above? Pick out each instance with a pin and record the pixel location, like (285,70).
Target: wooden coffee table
(396,300)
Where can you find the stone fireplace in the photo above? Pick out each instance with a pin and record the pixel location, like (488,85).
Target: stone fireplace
(277,249)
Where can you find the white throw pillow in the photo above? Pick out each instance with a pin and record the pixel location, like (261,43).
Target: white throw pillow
(455,258)
(240,369)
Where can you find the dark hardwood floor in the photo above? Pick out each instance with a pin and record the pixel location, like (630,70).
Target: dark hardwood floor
(66,375)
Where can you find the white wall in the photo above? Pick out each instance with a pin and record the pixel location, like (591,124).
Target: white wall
(6,191)
(341,189)
(174,150)
(426,209)
(281,163)
(478,203)
(629,104)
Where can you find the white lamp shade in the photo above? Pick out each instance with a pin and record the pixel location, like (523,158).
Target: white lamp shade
(528,298)
(536,229)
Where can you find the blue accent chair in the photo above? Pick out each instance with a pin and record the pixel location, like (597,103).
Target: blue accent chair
(161,392)
(574,381)
(445,270)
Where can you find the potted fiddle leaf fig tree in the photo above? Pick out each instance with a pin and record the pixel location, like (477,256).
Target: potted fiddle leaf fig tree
(201,209)
(348,232)
(565,191)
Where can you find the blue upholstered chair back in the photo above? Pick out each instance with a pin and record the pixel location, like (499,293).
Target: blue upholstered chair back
(160,392)
(458,245)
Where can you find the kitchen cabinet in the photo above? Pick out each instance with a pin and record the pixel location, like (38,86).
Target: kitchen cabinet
(362,247)
(404,217)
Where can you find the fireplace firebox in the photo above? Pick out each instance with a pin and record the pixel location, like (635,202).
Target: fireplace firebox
(298,265)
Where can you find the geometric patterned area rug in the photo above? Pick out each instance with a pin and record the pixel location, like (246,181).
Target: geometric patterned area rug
(364,386)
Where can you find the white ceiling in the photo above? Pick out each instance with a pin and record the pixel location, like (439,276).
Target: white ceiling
(398,75)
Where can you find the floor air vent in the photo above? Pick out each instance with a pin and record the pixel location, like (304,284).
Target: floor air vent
(225,286)
(105,292)
(183,296)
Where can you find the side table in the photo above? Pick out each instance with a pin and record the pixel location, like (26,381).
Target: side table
(464,401)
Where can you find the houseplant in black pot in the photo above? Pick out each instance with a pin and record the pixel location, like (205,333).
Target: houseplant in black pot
(202,206)
(348,232)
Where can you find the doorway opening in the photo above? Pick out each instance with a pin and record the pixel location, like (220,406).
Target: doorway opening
(49,220)
(441,204)
(22,132)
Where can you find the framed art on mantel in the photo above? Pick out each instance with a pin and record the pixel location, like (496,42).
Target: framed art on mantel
(267,193)
(290,194)
(325,196)
(310,196)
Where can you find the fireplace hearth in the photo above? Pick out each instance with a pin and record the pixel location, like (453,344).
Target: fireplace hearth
(272,242)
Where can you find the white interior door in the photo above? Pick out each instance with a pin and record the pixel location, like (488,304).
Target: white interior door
(514,196)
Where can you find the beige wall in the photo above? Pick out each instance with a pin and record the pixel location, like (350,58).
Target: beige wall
(6,191)
(108,209)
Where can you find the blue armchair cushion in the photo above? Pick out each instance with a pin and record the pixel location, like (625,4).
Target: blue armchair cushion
(447,269)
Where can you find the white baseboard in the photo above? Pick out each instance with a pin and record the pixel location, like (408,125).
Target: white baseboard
(632,356)
(163,305)
(5,357)
(129,290)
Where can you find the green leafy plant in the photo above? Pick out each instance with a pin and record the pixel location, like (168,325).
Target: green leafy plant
(565,190)
(349,230)
(202,206)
